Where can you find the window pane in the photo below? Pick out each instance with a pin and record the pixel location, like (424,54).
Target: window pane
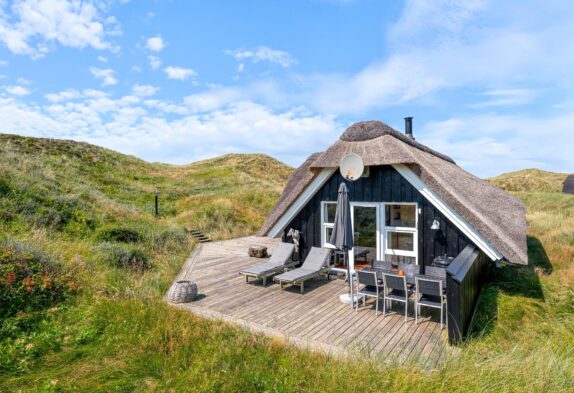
(329,214)
(365,226)
(400,241)
(400,215)
(365,233)
(329,232)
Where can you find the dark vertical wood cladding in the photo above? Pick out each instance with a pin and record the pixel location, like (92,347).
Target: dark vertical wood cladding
(465,277)
(384,184)
(568,186)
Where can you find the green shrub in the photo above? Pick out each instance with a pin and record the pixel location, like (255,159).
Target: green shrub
(29,281)
(120,256)
(4,187)
(118,234)
(168,239)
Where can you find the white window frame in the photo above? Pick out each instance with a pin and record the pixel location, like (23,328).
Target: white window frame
(382,230)
(324,225)
(411,230)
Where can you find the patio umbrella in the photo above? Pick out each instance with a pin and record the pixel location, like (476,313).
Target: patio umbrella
(342,236)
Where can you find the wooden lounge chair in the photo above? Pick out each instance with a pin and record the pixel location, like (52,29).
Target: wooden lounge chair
(316,263)
(281,259)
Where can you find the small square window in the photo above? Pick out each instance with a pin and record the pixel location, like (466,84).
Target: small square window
(403,241)
(402,216)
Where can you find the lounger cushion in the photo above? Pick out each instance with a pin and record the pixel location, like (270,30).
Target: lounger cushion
(281,257)
(263,269)
(316,259)
(296,275)
(282,254)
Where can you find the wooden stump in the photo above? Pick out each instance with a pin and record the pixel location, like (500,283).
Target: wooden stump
(257,251)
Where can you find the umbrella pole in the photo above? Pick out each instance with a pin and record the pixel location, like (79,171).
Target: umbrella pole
(350,278)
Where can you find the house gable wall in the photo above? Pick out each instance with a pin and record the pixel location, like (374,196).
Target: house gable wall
(384,184)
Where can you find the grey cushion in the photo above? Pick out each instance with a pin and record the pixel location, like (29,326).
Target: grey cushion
(300,274)
(263,269)
(282,254)
(316,259)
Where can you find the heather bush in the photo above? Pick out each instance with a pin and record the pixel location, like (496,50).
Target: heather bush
(29,281)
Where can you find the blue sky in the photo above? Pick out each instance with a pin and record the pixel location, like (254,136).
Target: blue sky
(489,83)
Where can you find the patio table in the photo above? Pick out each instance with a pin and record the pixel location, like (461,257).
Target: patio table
(411,278)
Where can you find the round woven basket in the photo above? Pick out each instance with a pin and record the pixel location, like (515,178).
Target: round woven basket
(182,292)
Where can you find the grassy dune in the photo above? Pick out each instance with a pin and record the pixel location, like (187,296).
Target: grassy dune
(68,200)
(530,180)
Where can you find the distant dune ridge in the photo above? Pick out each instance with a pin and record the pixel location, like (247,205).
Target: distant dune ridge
(532,180)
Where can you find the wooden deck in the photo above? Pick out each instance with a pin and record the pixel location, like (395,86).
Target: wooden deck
(314,320)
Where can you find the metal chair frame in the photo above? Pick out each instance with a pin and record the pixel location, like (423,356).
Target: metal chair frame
(375,283)
(440,294)
(389,288)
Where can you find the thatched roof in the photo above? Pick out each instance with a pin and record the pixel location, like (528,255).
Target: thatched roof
(498,216)
(569,185)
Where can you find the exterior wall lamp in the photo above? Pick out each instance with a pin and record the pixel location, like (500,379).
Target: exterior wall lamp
(435,225)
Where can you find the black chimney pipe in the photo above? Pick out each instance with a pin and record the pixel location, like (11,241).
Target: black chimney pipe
(409,127)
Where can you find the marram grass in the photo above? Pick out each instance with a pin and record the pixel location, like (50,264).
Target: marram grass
(116,334)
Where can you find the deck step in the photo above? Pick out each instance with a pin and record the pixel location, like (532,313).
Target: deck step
(198,235)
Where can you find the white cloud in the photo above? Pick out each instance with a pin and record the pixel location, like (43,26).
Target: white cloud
(37,23)
(395,81)
(65,95)
(136,68)
(154,62)
(212,99)
(506,97)
(102,59)
(107,75)
(179,73)
(142,129)
(155,44)
(144,90)
(240,67)
(447,46)
(491,144)
(263,53)
(17,90)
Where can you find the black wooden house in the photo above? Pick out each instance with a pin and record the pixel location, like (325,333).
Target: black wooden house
(411,205)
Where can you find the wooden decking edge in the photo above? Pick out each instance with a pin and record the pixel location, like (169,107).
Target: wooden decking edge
(251,327)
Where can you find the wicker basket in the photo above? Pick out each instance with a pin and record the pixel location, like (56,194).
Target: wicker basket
(182,292)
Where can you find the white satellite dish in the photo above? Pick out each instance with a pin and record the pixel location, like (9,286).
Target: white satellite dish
(352,166)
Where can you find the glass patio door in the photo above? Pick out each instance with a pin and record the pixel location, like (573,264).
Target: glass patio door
(366,232)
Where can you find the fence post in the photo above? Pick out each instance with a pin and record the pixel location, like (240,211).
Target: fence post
(156,204)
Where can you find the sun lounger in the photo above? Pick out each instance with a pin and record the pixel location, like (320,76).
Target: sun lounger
(316,263)
(281,259)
